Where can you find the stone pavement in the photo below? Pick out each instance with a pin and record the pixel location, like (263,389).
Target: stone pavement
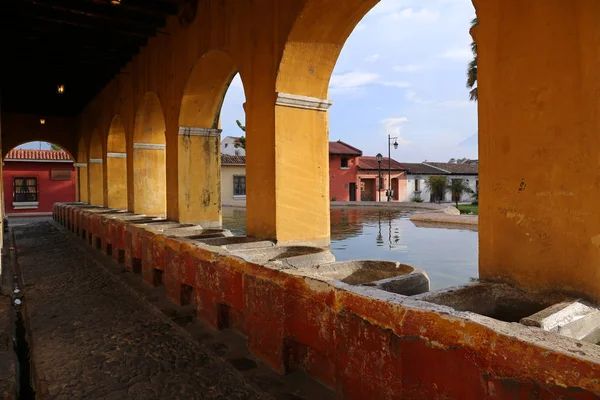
(91,339)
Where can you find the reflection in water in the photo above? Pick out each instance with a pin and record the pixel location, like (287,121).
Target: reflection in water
(449,256)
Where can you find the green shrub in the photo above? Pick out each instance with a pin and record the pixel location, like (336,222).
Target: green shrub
(416,199)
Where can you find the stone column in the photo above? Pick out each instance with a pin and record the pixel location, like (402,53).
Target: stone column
(82,184)
(96,181)
(116,180)
(288,170)
(539,124)
(149,179)
(199,176)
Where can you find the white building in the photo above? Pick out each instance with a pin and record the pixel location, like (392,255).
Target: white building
(231,146)
(417,175)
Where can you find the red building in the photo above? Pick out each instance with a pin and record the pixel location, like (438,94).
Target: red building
(343,171)
(36,179)
(353,177)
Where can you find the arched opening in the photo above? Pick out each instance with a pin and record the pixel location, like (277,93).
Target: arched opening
(116,165)
(35,176)
(199,160)
(96,170)
(149,158)
(82,171)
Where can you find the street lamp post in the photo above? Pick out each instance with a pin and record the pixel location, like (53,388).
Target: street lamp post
(395,139)
(379,160)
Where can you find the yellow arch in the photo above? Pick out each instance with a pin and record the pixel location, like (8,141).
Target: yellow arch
(315,42)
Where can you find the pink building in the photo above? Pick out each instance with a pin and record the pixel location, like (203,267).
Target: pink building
(353,177)
(369,170)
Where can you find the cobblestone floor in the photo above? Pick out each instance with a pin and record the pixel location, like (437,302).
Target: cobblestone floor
(92,340)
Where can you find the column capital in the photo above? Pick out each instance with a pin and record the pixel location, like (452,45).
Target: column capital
(95,161)
(116,155)
(149,146)
(193,131)
(304,102)
(80,165)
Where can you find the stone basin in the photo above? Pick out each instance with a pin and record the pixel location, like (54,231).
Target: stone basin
(162,225)
(390,276)
(499,301)
(196,231)
(287,256)
(237,242)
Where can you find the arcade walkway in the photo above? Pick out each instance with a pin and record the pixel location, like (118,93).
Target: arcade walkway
(92,339)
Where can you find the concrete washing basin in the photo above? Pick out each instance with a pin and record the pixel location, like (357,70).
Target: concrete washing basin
(196,232)
(499,301)
(236,242)
(287,256)
(390,276)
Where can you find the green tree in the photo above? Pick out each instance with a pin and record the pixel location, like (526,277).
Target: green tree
(55,147)
(472,69)
(437,186)
(243,138)
(458,187)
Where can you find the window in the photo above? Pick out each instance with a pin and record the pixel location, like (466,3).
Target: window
(380,183)
(344,163)
(417,185)
(60,174)
(25,190)
(226,144)
(239,185)
(237,152)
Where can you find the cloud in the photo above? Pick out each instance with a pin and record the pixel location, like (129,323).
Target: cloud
(408,68)
(393,127)
(396,84)
(352,80)
(414,98)
(422,15)
(372,58)
(352,83)
(462,54)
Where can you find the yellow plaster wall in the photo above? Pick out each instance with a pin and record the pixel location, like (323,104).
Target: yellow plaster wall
(116,168)
(82,172)
(254,34)
(96,171)
(539,103)
(227,173)
(149,165)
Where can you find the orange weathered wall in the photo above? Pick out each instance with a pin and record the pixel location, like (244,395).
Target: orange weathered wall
(539,99)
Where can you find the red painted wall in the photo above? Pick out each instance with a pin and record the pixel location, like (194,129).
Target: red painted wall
(340,179)
(49,191)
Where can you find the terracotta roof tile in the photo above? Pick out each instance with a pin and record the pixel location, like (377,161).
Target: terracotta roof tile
(340,147)
(25,154)
(370,163)
(422,169)
(228,159)
(457,169)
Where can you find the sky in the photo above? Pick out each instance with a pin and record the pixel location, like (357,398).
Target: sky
(402,72)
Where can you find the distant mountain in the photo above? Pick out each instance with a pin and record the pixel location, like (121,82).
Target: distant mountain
(471,141)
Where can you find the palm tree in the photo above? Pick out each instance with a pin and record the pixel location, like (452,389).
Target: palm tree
(437,186)
(472,69)
(458,187)
(242,140)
